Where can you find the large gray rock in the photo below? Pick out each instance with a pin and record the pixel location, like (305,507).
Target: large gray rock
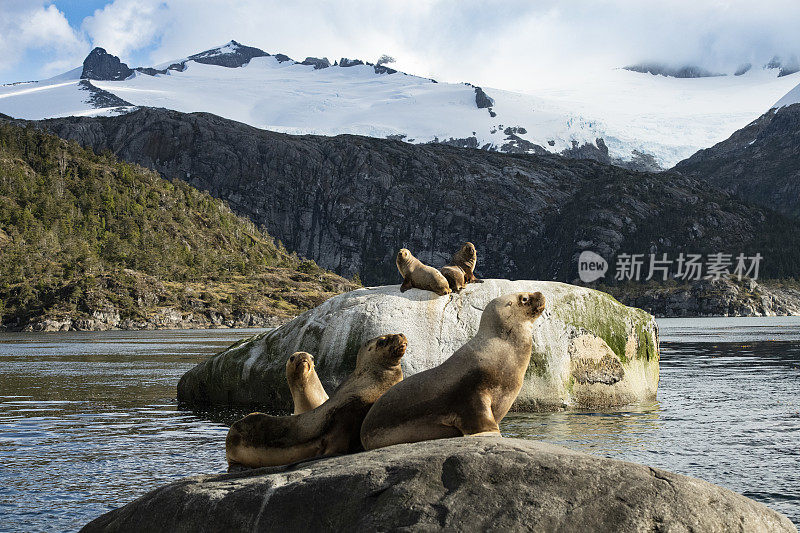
(463,484)
(588,349)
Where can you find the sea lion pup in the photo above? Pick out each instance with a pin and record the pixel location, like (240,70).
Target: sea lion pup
(468,394)
(307,391)
(332,428)
(454,276)
(416,274)
(466,259)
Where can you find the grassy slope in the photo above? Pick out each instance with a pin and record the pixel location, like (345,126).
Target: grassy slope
(82,233)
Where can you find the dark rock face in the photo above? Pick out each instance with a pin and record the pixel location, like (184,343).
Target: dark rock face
(351,202)
(461,484)
(316,62)
(100,65)
(688,71)
(514,144)
(599,152)
(100,98)
(382,69)
(760,162)
(150,71)
(237,56)
(344,62)
(482,100)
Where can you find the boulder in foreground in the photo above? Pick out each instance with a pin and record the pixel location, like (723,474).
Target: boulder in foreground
(467,483)
(588,349)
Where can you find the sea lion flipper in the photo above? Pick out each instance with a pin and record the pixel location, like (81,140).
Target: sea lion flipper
(406,284)
(480,418)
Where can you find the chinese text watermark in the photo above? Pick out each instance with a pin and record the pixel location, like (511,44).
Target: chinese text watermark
(684,267)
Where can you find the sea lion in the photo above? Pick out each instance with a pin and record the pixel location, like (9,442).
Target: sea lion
(466,259)
(332,428)
(454,276)
(416,274)
(468,394)
(307,391)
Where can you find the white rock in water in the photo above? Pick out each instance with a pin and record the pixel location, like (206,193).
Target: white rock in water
(589,350)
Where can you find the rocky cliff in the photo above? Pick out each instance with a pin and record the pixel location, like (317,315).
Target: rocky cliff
(350,202)
(760,162)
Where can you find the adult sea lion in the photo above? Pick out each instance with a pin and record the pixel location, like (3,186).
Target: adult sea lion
(416,274)
(332,428)
(466,259)
(454,276)
(307,391)
(471,392)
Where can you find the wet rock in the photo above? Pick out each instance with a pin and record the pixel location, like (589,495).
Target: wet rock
(461,484)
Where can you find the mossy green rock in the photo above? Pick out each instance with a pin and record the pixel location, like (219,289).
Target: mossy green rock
(588,351)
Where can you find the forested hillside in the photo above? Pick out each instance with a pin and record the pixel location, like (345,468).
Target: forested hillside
(87,240)
(351,202)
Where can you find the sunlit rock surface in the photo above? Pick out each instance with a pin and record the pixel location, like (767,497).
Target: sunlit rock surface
(589,350)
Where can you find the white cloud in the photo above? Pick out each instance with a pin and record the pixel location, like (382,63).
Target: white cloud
(127,25)
(35,26)
(513,43)
(516,44)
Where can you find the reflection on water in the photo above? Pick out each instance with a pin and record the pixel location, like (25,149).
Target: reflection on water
(727,412)
(603,433)
(88,421)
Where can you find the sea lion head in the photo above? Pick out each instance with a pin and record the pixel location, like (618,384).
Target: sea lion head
(385,351)
(505,313)
(404,258)
(466,256)
(299,366)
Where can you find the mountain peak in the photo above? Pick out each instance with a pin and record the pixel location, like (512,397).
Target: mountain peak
(100,65)
(231,55)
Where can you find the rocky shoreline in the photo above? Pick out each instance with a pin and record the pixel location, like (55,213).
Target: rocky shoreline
(165,318)
(711,298)
(704,298)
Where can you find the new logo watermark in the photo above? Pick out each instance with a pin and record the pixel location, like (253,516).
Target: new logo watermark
(684,267)
(591,266)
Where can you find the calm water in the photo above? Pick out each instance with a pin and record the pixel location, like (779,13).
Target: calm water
(88,421)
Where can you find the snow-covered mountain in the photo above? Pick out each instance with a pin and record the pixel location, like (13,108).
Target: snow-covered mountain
(627,116)
(792,97)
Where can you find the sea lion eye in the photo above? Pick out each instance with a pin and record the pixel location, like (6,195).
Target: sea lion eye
(291,359)
(524,299)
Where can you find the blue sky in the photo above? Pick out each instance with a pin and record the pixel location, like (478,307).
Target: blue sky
(509,43)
